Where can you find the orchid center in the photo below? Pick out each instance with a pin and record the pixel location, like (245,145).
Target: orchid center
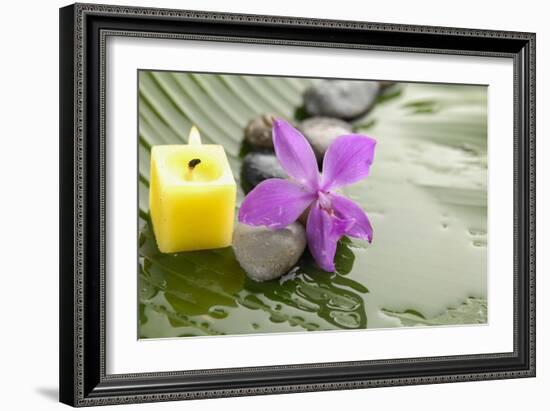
(324,200)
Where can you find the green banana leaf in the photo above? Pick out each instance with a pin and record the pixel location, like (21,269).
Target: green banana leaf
(426,198)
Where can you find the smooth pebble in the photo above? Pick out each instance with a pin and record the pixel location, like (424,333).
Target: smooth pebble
(266,254)
(345,99)
(258,131)
(322,131)
(257,167)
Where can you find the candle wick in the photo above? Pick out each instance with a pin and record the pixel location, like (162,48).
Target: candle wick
(193,163)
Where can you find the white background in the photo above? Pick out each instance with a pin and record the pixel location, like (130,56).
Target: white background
(29,126)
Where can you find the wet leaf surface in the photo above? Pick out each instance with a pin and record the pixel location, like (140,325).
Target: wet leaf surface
(426,198)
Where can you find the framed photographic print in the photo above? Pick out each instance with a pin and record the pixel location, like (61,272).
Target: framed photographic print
(261,204)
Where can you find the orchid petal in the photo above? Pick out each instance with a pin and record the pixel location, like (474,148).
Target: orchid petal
(344,208)
(347,160)
(323,232)
(295,154)
(274,203)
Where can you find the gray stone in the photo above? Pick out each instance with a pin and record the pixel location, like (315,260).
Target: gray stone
(258,131)
(322,131)
(344,99)
(266,254)
(257,167)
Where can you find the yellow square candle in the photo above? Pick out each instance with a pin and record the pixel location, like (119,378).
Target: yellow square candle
(191,196)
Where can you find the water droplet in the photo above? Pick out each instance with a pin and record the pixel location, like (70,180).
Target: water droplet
(348,320)
(252,302)
(297,319)
(218,312)
(312,326)
(277,318)
(345,304)
(479,243)
(476,231)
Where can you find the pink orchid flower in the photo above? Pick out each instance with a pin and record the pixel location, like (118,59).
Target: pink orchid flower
(276,202)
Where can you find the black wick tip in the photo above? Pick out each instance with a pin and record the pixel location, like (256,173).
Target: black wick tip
(193,163)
